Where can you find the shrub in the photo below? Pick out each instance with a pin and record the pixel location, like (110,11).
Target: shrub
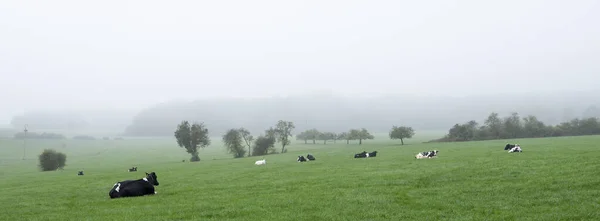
(263,145)
(52,160)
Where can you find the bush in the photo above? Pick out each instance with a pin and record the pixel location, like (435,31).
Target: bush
(52,160)
(264,145)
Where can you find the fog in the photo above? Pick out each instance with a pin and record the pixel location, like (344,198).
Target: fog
(123,57)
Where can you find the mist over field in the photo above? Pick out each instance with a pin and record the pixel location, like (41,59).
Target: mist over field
(326,112)
(141,68)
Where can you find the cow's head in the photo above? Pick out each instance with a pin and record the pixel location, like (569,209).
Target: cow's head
(151,177)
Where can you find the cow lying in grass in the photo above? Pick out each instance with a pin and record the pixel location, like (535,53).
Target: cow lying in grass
(133,169)
(80,173)
(301,159)
(516,148)
(509,146)
(133,188)
(372,154)
(310,157)
(365,154)
(427,154)
(260,162)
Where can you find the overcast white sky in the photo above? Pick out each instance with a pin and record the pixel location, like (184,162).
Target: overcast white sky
(130,54)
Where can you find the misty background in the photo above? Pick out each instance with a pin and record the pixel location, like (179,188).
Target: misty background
(137,68)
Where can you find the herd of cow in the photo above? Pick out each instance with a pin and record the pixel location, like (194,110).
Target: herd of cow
(145,186)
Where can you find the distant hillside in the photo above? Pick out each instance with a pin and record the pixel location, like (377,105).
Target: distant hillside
(335,113)
(105,122)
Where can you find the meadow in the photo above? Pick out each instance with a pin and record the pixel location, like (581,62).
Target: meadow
(553,179)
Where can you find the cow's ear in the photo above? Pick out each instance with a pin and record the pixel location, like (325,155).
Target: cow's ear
(146,173)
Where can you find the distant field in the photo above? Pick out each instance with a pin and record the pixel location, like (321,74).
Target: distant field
(553,179)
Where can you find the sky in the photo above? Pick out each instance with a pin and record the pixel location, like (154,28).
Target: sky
(131,54)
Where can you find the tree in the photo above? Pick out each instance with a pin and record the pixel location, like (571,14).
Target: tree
(52,160)
(263,145)
(532,127)
(512,126)
(192,137)
(271,132)
(363,134)
(283,131)
(302,136)
(401,133)
(233,143)
(494,125)
(325,136)
(353,134)
(313,134)
(344,136)
(335,137)
(247,139)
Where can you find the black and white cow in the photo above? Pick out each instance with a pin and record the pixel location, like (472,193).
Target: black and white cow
(133,188)
(516,148)
(310,157)
(80,173)
(509,146)
(361,155)
(133,169)
(372,154)
(427,154)
(301,159)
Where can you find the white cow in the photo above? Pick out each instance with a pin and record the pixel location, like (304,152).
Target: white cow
(261,162)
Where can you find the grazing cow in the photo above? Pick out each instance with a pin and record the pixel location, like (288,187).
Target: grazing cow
(427,154)
(361,155)
(133,169)
(80,173)
(132,188)
(509,146)
(310,157)
(261,162)
(516,148)
(301,159)
(372,154)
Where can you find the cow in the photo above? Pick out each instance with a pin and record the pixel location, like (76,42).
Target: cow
(427,154)
(516,148)
(261,162)
(509,146)
(133,188)
(372,154)
(361,155)
(310,157)
(80,173)
(301,159)
(133,169)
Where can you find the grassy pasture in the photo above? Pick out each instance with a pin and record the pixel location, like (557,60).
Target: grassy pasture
(553,179)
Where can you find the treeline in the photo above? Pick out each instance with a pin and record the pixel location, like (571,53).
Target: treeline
(195,135)
(353,134)
(239,142)
(513,126)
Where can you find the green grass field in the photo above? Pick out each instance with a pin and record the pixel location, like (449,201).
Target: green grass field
(553,179)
